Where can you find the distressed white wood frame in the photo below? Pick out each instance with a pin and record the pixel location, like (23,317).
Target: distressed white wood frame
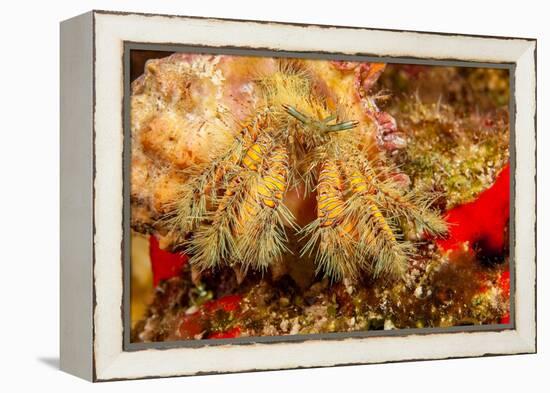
(111,30)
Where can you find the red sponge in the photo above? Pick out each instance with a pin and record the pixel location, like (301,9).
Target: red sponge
(484,222)
(163,263)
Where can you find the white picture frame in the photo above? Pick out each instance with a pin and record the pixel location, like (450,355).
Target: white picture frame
(93,212)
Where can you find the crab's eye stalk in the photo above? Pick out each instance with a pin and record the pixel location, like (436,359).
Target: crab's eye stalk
(347,125)
(294,113)
(323,124)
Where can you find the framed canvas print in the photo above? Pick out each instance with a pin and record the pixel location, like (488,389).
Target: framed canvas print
(244,195)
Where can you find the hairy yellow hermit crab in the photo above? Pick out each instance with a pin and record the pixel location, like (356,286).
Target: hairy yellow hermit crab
(299,133)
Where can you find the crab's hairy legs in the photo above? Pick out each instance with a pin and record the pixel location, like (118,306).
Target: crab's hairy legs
(263,216)
(215,241)
(202,187)
(206,180)
(378,240)
(414,206)
(330,236)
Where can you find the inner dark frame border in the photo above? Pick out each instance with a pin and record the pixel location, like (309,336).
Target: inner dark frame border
(170,48)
